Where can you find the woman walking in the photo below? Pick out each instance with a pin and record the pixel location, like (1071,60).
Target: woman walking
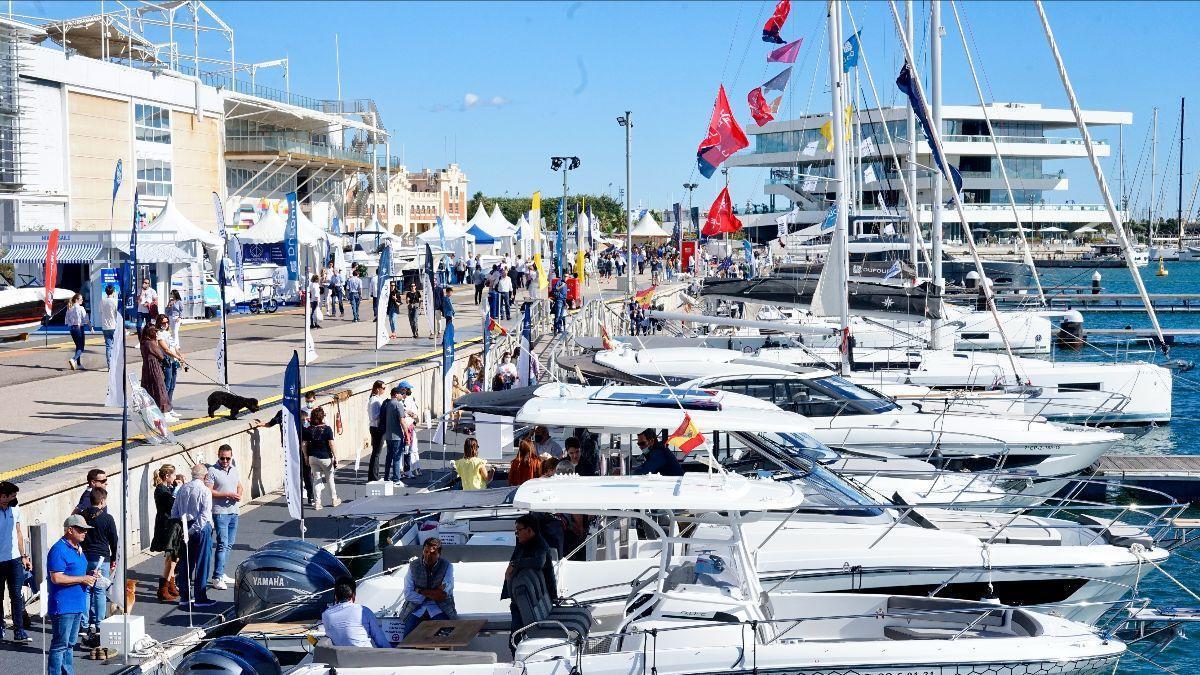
(321,457)
(153,380)
(166,482)
(527,464)
(172,357)
(393,309)
(76,319)
(413,300)
(175,315)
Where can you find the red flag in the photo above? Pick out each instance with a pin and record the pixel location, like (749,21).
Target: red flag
(720,217)
(51,271)
(645,297)
(759,110)
(775,24)
(495,328)
(724,137)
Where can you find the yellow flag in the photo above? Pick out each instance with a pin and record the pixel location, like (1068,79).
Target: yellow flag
(537,202)
(827,133)
(543,282)
(579,264)
(846,121)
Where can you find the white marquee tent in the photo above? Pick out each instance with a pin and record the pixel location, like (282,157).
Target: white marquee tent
(647,228)
(458,240)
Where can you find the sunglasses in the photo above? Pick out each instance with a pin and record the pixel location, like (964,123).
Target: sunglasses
(102,481)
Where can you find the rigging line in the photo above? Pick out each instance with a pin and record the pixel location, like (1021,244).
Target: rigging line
(750,41)
(975,48)
(733,36)
(987,118)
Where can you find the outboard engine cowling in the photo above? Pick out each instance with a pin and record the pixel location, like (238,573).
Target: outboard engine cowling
(231,655)
(287,580)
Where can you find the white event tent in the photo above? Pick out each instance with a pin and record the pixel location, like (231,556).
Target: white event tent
(648,228)
(458,240)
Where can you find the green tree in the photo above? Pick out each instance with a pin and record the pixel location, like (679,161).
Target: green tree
(606,209)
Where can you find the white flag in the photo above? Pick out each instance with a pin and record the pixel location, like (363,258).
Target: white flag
(221,371)
(869,174)
(427,302)
(382,333)
(809,184)
(866,146)
(810,150)
(291,464)
(116,397)
(310,348)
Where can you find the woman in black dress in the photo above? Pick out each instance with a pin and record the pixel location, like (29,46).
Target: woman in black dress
(166,481)
(152,367)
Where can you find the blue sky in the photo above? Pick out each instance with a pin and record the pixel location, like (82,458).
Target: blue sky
(551,78)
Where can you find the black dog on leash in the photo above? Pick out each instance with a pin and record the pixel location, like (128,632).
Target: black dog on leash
(223,399)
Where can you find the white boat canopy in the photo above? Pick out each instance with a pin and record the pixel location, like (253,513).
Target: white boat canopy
(692,492)
(647,227)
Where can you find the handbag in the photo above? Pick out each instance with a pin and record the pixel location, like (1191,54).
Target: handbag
(318,314)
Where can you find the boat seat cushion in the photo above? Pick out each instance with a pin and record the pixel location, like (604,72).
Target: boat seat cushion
(946,610)
(1118,533)
(397,556)
(534,605)
(927,633)
(372,657)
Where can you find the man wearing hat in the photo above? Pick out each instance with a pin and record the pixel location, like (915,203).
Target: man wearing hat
(66,571)
(13,561)
(391,418)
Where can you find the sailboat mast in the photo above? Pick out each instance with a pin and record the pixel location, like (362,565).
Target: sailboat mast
(911,119)
(935,95)
(841,202)
(1153,174)
(1179,204)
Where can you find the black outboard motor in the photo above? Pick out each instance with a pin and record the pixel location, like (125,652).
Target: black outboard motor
(1070,333)
(292,578)
(230,655)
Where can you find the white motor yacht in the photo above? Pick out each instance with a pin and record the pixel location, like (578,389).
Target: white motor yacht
(703,610)
(838,540)
(848,415)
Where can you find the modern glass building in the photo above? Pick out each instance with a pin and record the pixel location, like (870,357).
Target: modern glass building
(792,156)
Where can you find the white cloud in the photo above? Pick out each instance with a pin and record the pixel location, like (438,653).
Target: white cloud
(499,101)
(470,100)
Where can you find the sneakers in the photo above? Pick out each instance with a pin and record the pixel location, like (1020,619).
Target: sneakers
(200,604)
(316,506)
(227,579)
(218,584)
(22,638)
(71,362)
(172,417)
(337,502)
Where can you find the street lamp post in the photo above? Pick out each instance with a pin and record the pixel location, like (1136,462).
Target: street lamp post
(564,164)
(627,122)
(689,187)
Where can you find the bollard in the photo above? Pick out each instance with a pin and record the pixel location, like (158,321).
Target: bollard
(1096,282)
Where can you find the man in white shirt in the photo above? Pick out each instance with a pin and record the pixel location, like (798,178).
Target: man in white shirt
(147,300)
(110,321)
(349,624)
(314,300)
(504,286)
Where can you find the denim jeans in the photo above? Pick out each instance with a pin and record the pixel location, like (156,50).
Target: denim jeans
(337,301)
(170,375)
(77,336)
(506,305)
(97,597)
(394,464)
(65,632)
(109,336)
(199,553)
(412,621)
(225,531)
(12,578)
(392,323)
(355,299)
(312,315)
(374,471)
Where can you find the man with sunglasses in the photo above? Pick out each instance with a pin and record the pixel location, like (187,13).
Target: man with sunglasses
(225,481)
(69,581)
(96,478)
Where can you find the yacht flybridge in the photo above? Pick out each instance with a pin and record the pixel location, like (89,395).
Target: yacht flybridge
(700,608)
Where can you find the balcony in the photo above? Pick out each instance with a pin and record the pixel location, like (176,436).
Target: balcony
(274,145)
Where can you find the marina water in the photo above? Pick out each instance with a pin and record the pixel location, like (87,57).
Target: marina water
(1182,436)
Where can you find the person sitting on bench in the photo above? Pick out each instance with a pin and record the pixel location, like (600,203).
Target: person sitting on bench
(349,624)
(428,588)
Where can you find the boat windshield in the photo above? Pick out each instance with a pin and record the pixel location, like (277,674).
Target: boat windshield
(862,399)
(798,457)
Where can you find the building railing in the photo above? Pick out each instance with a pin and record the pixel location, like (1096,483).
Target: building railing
(764,146)
(1043,140)
(283,144)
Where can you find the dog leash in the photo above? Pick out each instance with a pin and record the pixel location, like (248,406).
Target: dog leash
(206,375)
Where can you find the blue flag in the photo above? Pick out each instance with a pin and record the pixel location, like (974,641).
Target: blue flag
(291,238)
(850,49)
(441,234)
(905,82)
(560,240)
(487,342)
(385,261)
(448,353)
(830,218)
(434,289)
(131,277)
(526,377)
(118,175)
(291,437)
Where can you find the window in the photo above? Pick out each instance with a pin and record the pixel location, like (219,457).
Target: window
(152,123)
(154,177)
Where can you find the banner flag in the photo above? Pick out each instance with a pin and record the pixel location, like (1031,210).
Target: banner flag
(50,273)
(291,239)
(382,332)
(759,109)
(786,53)
(774,24)
(118,176)
(291,437)
(441,233)
(116,370)
(720,216)
(222,343)
(850,49)
(560,239)
(487,347)
(310,348)
(906,85)
(830,218)
(430,291)
(724,138)
(525,376)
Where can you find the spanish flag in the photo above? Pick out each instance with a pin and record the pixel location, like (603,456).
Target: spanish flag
(687,437)
(644,297)
(495,328)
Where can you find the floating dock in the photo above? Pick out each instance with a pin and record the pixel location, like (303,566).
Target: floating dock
(1176,475)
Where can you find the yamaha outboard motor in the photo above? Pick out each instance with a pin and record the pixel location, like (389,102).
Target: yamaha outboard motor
(287,580)
(231,655)
(1070,333)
